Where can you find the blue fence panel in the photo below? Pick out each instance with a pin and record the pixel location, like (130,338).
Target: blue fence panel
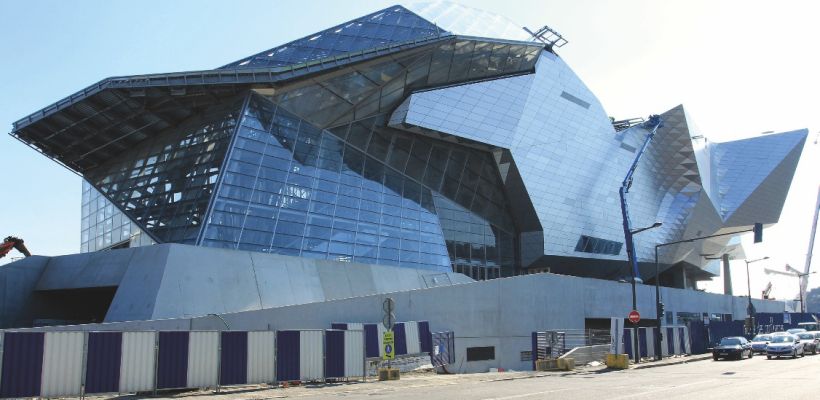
(642,342)
(334,354)
(102,372)
(233,361)
(22,364)
(722,329)
(698,336)
(425,337)
(669,337)
(628,343)
(287,356)
(371,341)
(172,360)
(400,337)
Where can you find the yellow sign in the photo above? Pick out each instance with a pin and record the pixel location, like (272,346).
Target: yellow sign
(388,346)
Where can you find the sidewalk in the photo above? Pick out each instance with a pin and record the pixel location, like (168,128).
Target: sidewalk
(671,361)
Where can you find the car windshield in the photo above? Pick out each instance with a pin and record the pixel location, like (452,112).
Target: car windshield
(805,336)
(729,341)
(782,339)
(762,338)
(796,330)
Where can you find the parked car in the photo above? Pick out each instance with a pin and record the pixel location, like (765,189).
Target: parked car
(795,330)
(784,345)
(759,343)
(732,347)
(809,341)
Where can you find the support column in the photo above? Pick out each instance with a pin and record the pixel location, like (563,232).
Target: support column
(727,276)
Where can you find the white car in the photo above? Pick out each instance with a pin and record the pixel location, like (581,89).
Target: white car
(784,345)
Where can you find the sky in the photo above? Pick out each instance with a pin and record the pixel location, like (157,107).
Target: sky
(740,68)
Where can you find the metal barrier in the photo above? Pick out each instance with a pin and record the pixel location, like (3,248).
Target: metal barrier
(444,349)
(674,341)
(554,344)
(67,363)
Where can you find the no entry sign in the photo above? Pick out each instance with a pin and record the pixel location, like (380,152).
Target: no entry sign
(634,316)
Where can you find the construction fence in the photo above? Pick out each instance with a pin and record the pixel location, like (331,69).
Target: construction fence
(69,363)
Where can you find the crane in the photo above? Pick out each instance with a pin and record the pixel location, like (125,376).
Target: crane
(767,291)
(12,242)
(804,276)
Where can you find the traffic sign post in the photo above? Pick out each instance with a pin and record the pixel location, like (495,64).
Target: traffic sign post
(634,316)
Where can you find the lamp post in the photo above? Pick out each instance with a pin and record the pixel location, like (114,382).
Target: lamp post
(750,309)
(758,233)
(634,295)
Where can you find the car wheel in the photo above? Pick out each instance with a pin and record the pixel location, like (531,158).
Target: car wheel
(794,354)
(751,354)
(814,351)
(768,357)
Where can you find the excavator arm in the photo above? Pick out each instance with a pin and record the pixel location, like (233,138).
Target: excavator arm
(12,242)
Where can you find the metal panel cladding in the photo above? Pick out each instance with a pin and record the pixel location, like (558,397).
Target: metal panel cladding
(138,359)
(22,364)
(233,358)
(354,352)
(261,363)
(203,359)
(411,331)
(102,372)
(334,354)
(62,364)
(311,355)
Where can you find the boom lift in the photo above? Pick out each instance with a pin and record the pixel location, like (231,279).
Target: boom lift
(12,242)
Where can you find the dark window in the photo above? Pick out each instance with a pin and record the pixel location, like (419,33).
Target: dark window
(481,353)
(588,244)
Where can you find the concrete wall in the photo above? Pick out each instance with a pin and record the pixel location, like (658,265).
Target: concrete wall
(501,312)
(17,281)
(180,281)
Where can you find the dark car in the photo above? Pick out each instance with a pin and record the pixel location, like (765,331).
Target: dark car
(760,342)
(785,345)
(732,347)
(809,342)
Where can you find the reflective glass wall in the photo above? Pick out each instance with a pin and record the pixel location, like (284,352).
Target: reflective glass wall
(165,184)
(104,226)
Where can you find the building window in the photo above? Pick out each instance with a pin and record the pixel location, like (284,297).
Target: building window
(588,244)
(481,353)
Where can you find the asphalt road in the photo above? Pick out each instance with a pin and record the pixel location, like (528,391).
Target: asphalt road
(756,378)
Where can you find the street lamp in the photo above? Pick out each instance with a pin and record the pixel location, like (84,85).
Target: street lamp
(758,234)
(750,309)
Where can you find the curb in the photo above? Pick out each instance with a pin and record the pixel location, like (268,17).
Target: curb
(675,361)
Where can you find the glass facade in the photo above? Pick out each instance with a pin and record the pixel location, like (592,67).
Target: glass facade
(104,226)
(361,192)
(165,184)
(389,26)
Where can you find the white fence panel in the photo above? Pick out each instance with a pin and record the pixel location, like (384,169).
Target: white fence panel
(311,355)
(411,333)
(138,359)
(261,362)
(687,344)
(203,359)
(676,338)
(62,364)
(355,326)
(354,353)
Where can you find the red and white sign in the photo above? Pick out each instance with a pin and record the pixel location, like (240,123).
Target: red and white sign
(634,316)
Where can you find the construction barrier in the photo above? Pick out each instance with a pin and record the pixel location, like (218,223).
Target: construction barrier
(674,341)
(411,337)
(68,363)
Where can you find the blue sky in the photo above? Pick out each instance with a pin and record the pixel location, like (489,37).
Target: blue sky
(740,68)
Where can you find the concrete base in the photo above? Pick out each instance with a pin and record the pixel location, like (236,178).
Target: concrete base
(389,374)
(617,361)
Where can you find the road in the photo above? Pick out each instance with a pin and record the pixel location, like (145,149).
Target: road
(756,378)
